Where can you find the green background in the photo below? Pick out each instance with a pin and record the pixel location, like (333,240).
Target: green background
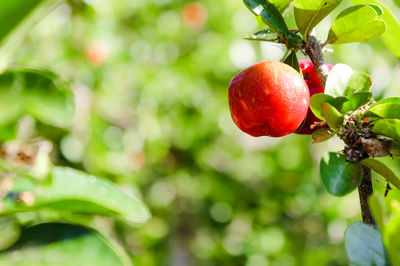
(153,117)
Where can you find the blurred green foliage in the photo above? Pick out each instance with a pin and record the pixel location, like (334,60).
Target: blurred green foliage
(150,84)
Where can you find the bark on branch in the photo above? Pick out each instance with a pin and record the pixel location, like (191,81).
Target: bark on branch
(365,191)
(314,51)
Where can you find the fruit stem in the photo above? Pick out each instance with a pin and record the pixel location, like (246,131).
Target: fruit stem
(314,51)
(365,191)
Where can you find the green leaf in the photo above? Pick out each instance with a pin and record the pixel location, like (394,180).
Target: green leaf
(61,244)
(38,93)
(308,13)
(322,135)
(359,82)
(338,102)
(333,117)
(75,191)
(384,110)
(364,245)
(378,8)
(11,106)
(16,19)
(387,127)
(9,231)
(339,176)
(293,41)
(270,15)
(355,24)
(316,104)
(388,100)
(356,100)
(264,35)
(317,101)
(13,12)
(281,4)
(383,170)
(338,80)
(292,61)
(392,35)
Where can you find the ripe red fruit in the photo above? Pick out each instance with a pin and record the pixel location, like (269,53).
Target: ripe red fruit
(314,85)
(268,99)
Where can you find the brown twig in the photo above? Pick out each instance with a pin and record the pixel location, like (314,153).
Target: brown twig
(364,191)
(314,51)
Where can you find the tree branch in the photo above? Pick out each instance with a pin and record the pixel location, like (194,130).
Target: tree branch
(364,191)
(314,51)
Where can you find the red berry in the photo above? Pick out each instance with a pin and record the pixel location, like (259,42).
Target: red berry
(268,99)
(314,85)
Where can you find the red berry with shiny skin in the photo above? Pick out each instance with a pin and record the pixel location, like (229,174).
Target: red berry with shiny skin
(314,85)
(268,99)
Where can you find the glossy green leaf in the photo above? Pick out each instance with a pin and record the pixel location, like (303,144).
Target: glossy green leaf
(338,102)
(264,35)
(316,104)
(308,13)
(61,244)
(292,61)
(364,245)
(281,4)
(392,35)
(339,176)
(383,170)
(338,80)
(322,135)
(293,41)
(355,24)
(333,117)
(387,127)
(358,82)
(356,100)
(384,110)
(75,191)
(9,231)
(317,101)
(260,22)
(395,100)
(38,93)
(270,15)
(378,8)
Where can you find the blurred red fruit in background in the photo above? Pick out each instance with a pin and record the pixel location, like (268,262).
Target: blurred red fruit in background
(194,15)
(97,53)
